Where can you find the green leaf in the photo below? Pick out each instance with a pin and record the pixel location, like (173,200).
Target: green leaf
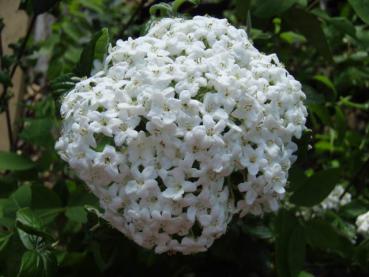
(362,252)
(69,259)
(4,240)
(292,37)
(286,223)
(343,24)
(353,209)
(38,131)
(63,83)
(296,178)
(326,81)
(178,4)
(320,234)
(308,25)
(296,250)
(361,7)
(40,264)
(12,161)
(101,45)
(270,8)
(30,230)
(94,50)
(316,188)
(44,198)
(19,199)
(5,79)
(163,9)
(77,214)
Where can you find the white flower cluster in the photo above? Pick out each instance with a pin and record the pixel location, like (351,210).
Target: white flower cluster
(362,224)
(336,199)
(184,127)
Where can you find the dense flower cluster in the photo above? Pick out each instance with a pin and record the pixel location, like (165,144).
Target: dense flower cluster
(183,128)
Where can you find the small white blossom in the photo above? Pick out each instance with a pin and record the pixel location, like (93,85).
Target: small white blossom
(362,223)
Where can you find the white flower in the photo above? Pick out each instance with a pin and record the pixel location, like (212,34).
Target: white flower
(362,223)
(163,133)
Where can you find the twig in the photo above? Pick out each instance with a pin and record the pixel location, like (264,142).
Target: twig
(9,127)
(312,5)
(12,72)
(7,113)
(23,46)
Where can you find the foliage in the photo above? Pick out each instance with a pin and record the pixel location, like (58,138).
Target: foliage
(49,222)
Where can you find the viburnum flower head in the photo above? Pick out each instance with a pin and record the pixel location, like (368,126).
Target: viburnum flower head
(185,127)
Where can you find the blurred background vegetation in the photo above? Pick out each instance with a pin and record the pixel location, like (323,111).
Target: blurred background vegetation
(49,224)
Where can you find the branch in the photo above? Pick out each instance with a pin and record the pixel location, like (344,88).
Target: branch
(12,72)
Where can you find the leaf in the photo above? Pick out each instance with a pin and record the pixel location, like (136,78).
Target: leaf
(308,25)
(285,222)
(40,264)
(77,214)
(94,50)
(362,252)
(4,239)
(361,7)
(48,215)
(12,161)
(296,250)
(270,8)
(316,188)
(5,79)
(292,37)
(19,199)
(320,234)
(69,259)
(179,4)
(43,197)
(343,24)
(29,228)
(164,9)
(63,83)
(353,209)
(296,178)
(38,131)
(326,81)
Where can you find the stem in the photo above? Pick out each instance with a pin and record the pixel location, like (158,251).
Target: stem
(23,46)
(12,72)
(1,52)
(248,26)
(9,127)
(311,6)
(346,102)
(7,112)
